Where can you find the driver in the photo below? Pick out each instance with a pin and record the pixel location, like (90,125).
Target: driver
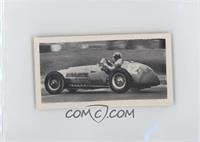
(116,62)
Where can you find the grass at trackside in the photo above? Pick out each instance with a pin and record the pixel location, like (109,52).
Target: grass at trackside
(155,58)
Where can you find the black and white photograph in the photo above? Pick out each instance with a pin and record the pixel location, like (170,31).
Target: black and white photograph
(116,70)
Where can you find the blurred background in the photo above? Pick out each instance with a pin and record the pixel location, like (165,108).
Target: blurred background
(56,56)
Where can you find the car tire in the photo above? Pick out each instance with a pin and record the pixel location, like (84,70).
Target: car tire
(54,83)
(119,80)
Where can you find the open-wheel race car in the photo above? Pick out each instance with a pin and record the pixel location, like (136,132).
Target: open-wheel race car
(129,75)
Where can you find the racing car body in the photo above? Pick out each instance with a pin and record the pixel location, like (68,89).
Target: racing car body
(129,75)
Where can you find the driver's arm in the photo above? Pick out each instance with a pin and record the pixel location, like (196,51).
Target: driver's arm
(109,63)
(115,65)
(118,63)
(110,67)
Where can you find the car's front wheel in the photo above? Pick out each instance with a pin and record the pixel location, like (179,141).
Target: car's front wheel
(54,83)
(119,81)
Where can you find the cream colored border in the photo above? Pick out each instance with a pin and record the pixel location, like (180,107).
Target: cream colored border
(117,103)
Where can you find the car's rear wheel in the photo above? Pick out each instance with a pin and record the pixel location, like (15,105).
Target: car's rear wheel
(54,83)
(119,81)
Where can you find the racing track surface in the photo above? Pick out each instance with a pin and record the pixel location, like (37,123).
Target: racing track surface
(158,92)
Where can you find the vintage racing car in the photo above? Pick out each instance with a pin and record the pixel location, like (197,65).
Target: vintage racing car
(129,75)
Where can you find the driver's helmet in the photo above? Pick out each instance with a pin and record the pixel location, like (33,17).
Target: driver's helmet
(117,55)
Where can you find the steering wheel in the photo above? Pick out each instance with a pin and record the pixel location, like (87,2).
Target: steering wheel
(104,60)
(109,62)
